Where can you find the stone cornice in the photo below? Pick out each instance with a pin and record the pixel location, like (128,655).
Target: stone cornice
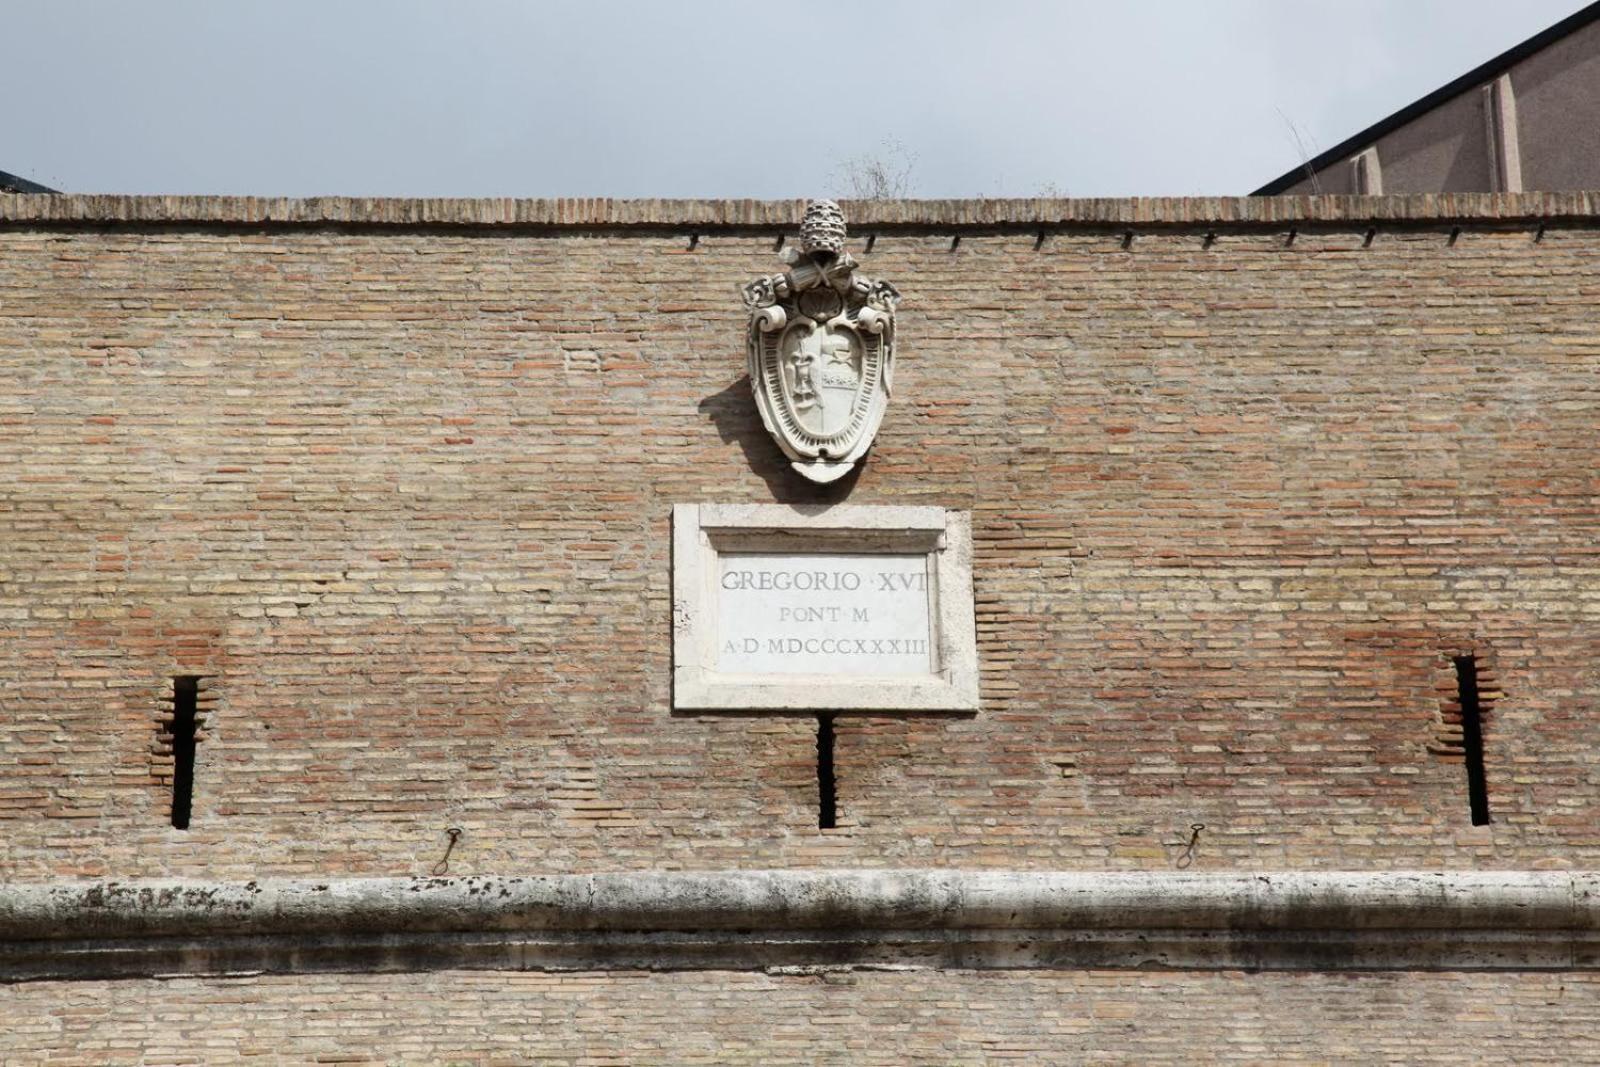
(767,919)
(776,216)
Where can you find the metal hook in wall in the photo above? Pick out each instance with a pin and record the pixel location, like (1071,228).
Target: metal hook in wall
(440,868)
(1194,840)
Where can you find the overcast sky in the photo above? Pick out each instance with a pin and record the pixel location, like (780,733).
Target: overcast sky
(756,98)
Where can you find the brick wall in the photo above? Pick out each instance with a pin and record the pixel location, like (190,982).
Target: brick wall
(868,1018)
(395,477)
(403,489)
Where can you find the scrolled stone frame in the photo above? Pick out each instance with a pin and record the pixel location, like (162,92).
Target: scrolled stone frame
(702,533)
(820,349)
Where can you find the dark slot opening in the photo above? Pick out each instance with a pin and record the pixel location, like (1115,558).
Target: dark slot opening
(185,695)
(827,795)
(1472,737)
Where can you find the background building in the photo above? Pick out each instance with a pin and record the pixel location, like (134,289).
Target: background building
(11,183)
(1527,119)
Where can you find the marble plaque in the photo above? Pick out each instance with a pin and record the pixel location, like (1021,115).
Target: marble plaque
(824,614)
(815,608)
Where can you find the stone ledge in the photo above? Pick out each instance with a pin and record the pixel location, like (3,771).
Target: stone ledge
(709,216)
(781,919)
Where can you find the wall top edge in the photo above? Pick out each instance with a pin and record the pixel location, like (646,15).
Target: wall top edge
(1572,208)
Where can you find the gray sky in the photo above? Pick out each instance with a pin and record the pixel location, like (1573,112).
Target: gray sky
(758,98)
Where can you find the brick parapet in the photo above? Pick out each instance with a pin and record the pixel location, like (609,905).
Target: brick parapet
(1578,208)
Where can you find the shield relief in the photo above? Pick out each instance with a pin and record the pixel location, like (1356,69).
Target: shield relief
(821,351)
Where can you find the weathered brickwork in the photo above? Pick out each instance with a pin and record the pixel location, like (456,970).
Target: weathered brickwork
(395,479)
(871,1018)
(405,493)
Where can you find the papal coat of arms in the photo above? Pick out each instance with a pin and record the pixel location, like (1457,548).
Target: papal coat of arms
(821,348)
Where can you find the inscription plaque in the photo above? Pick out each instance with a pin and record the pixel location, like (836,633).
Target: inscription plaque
(824,614)
(812,608)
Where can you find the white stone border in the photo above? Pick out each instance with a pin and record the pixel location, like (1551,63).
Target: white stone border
(700,532)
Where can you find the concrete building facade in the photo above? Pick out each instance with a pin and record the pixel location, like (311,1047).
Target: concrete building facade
(1525,120)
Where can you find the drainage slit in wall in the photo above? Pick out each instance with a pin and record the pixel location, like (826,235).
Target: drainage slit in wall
(185,699)
(827,792)
(1472,737)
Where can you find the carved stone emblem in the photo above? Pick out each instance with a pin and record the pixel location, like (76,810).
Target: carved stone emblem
(821,349)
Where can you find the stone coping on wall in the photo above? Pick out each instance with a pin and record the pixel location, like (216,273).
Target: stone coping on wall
(1405,920)
(709,216)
